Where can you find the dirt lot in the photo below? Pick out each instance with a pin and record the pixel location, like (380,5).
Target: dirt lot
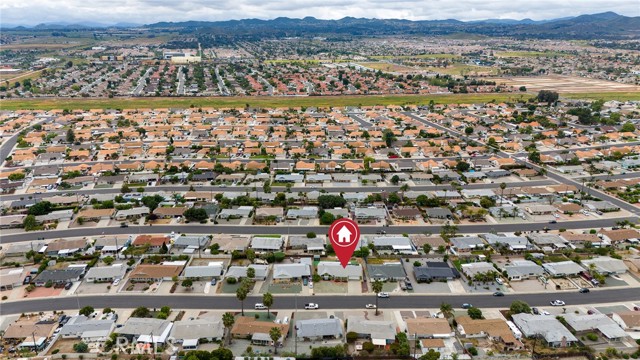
(564,84)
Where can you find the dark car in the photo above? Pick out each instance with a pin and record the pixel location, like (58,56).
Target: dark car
(553,222)
(535,311)
(26,280)
(498,293)
(124,225)
(583,291)
(467,306)
(408,285)
(68,285)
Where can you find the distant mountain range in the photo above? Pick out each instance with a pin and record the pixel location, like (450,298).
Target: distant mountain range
(607,25)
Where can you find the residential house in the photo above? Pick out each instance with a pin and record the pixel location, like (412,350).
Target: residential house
(598,323)
(379,332)
(146,330)
(562,268)
(518,270)
(59,277)
(236,213)
(106,273)
(263,244)
(606,265)
(330,270)
(392,271)
(430,328)
(435,271)
(153,272)
(496,330)
(319,329)
(290,272)
(628,320)
(239,272)
(88,330)
(314,245)
(213,269)
(190,332)
(548,327)
(466,244)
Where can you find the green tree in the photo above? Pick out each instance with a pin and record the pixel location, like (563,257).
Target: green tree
(187,283)
(376,286)
(141,312)
(446,309)
(193,214)
(462,166)
(518,307)
(547,96)
(474,313)
(80,347)
(267,300)
(125,189)
(228,320)
(447,231)
(388,137)
(251,272)
(426,248)
(86,311)
(502,187)
(311,235)
(628,127)
(534,157)
(331,201)
(430,355)
(108,260)
(30,223)
(468,130)
(327,218)
(395,179)
(275,334)
(71,137)
(164,249)
(40,208)
(242,292)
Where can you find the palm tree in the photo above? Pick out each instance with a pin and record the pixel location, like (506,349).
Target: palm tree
(267,300)
(275,334)
(377,288)
(446,309)
(502,187)
(228,320)
(242,293)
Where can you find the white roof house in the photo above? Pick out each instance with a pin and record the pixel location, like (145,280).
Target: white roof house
(106,273)
(606,265)
(600,322)
(195,329)
(290,271)
(319,328)
(146,330)
(260,243)
(212,270)
(562,268)
(89,330)
(397,243)
(552,330)
(380,332)
(472,269)
(523,269)
(241,271)
(334,269)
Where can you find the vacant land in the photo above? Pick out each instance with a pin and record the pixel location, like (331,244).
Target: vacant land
(568,84)
(387,67)
(421,56)
(463,69)
(529,54)
(240,102)
(21,76)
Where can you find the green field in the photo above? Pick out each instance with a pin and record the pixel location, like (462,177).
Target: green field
(285,102)
(462,69)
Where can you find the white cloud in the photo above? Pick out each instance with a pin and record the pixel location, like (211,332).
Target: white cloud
(33,12)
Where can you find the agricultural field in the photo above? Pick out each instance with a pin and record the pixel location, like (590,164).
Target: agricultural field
(569,84)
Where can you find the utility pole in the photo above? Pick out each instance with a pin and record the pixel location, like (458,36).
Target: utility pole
(415,344)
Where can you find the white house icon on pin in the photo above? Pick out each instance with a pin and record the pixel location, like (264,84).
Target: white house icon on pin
(344,235)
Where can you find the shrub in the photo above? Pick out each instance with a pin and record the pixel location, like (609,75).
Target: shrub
(352,336)
(368,347)
(231,280)
(311,235)
(592,337)
(473,351)
(55,351)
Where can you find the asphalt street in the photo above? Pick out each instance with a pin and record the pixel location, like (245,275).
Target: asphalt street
(295,189)
(324,301)
(237,229)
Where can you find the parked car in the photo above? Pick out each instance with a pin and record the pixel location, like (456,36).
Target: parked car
(311,306)
(381,232)
(27,280)
(214,281)
(383,295)
(68,285)
(498,293)
(310,284)
(467,306)
(408,285)
(305,281)
(535,311)
(116,282)
(557,303)
(124,225)
(499,281)
(553,222)
(260,306)
(370,306)
(583,290)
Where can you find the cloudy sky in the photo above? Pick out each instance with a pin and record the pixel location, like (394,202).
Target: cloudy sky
(31,12)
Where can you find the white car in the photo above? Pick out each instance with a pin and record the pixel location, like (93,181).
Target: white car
(383,295)
(370,306)
(260,306)
(311,306)
(557,303)
(310,285)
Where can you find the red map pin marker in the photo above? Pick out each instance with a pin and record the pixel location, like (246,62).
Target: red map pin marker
(344,235)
